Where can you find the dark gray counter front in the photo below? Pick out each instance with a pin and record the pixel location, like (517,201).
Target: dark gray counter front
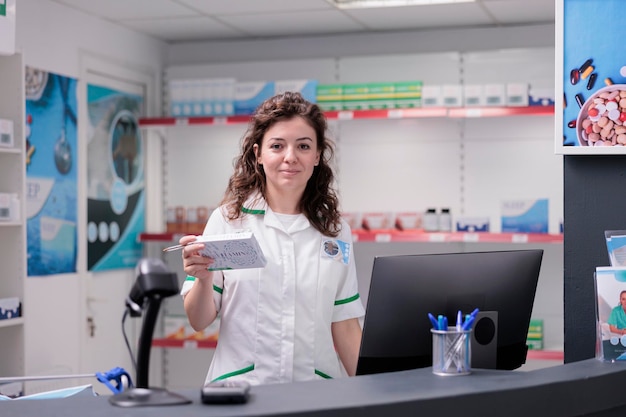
(586,388)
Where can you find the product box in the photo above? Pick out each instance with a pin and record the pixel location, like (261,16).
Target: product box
(411,220)
(249,95)
(517,94)
(525,216)
(541,97)
(432,96)
(201,97)
(6,133)
(10,308)
(473,95)
(355,96)
(472,224)
(378,220)
(535,334)
(452,95)
(330,96)
(308,88)
(381,96)
(230,251)
(407,94)
(495,94)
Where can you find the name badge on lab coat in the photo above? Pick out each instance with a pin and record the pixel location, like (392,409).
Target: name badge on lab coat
(337,250)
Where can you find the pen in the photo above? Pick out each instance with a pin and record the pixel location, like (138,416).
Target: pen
(459,320)
(177,247)
(440,323)
(433,320)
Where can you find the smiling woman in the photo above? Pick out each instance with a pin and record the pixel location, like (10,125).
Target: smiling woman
(287,320)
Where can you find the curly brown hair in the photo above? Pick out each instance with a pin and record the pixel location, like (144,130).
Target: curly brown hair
(319,203)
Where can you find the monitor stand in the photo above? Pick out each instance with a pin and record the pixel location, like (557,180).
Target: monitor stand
(136,397)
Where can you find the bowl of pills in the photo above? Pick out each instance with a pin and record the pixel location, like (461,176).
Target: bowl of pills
(602,118)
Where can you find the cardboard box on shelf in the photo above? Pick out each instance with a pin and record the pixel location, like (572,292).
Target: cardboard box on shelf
(432,96)
(408,94)
(525,216)
(249,95)
(330,96)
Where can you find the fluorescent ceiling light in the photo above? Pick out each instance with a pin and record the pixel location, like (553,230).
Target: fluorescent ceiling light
(354,4)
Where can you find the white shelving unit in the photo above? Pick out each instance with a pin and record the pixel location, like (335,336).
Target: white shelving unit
(13,233)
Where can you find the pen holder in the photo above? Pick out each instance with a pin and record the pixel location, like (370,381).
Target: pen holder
(451,351)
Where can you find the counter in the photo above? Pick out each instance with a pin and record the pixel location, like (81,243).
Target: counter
(590,388)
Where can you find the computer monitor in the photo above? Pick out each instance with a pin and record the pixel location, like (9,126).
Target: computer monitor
(405,288)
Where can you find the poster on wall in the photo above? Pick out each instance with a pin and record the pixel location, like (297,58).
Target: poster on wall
(591,74)
(51,172)
(115,179)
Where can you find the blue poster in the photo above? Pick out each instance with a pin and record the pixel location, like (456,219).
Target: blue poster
(593,76)
(115,179)
(51,172)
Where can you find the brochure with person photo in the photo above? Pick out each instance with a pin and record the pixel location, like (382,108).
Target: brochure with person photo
(610,284)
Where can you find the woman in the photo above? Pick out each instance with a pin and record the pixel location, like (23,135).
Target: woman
(298,317)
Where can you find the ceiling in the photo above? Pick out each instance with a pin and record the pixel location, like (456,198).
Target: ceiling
(210,20)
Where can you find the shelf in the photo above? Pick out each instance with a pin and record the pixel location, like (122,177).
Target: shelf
(411,113)
(10,150)
(185,343)
(421,236)
(412,236)
(12,322)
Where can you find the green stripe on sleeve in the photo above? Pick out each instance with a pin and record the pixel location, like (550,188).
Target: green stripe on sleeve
(322,374)
(347,300)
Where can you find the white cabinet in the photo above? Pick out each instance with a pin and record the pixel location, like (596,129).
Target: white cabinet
(13,232)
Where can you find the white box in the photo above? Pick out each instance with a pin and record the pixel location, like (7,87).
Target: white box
(495,94)
(517,94)
(452,95)
(473,95)
(6,133)
(432,96)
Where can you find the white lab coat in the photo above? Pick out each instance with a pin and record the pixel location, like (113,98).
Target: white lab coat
(276,321)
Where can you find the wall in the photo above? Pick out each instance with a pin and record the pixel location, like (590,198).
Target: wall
(61,40)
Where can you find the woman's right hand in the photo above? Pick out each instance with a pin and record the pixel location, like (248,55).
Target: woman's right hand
(194,264)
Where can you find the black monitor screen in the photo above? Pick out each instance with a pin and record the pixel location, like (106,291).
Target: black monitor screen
(405,288)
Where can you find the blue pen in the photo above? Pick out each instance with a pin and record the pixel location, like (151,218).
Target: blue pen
(445,323)
(440,323)
(468,323)
(433,320)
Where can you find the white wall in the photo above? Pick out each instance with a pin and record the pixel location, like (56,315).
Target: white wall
(64,41)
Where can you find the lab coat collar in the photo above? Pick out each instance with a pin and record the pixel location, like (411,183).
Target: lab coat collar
(256,205)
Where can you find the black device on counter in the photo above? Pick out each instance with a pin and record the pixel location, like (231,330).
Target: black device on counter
(225,392)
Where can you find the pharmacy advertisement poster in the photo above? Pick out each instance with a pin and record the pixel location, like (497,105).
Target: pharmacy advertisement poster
(611,312)
(51,172)
(591,77)
(115,179)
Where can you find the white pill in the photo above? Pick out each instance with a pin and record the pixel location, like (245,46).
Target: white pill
(614,114)
(611,105)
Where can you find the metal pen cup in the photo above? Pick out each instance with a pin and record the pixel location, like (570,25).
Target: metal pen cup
(451,351)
